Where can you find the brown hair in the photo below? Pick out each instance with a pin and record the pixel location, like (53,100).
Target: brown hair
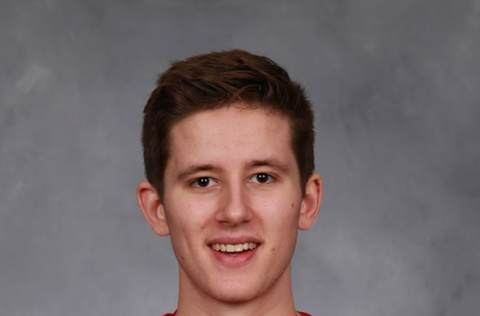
(217,79)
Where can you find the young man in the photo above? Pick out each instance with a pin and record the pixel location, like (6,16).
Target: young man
(228,150)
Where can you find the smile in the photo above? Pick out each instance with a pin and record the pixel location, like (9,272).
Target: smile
(234,253)
(231,248)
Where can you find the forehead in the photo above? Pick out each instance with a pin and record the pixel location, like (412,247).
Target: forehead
(230,134)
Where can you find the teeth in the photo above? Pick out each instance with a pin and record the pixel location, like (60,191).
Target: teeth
(234,247)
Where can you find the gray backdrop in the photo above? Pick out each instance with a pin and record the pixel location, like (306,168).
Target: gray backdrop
(396,91)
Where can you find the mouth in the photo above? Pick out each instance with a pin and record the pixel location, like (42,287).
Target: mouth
(234,255)
(233,248)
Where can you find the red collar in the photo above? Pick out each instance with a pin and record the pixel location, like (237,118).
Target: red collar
(174,313)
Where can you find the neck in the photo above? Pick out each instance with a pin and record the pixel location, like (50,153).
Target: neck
(274,301)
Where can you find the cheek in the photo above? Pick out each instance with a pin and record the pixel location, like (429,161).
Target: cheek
(280,213)
(186,223)
(280,223)
(188,215)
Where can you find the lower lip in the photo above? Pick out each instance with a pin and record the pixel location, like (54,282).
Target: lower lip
(234,260)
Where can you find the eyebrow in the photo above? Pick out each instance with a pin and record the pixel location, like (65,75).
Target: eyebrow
(196,168)
(273,163)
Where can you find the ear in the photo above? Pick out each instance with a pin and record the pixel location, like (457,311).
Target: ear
(310,207)
(152,208)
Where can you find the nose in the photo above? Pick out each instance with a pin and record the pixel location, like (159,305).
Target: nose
(235,209)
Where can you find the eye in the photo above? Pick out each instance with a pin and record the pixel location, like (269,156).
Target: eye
(262,177)
(202,182)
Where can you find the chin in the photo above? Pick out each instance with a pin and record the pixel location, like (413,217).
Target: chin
(235,298)
(236,294)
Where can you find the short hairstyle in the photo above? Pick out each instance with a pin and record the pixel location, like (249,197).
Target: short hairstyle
(219,79)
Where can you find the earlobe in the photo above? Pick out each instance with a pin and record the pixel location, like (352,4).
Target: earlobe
(152,208)
(310,207)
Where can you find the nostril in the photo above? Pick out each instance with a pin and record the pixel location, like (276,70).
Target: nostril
(234,215)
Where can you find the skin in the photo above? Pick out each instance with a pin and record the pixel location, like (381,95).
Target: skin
(237,197)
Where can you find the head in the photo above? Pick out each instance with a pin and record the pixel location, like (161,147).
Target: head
(228,149)
(216,80)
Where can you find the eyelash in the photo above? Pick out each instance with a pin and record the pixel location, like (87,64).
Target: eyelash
(269,177)
(195,182)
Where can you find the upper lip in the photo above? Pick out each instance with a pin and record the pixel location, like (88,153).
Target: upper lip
(233,240)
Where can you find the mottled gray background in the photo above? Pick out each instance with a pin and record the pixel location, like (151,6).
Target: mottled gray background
(396,91)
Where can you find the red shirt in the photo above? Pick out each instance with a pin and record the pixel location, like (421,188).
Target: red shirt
(301,313)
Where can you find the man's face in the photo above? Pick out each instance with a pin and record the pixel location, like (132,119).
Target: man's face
(232,177)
